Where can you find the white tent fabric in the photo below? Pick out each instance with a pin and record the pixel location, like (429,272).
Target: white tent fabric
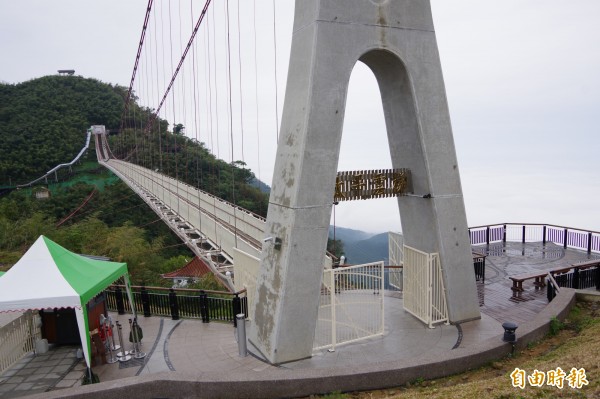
(49,276)
(24,288)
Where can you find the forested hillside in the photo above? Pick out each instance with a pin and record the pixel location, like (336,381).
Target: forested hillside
(43,123)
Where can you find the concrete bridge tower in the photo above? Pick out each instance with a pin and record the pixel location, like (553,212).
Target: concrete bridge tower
(396,40)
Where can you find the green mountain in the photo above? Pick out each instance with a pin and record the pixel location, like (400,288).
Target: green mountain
(361,247)
(348,236)
(43,122)
(372,249)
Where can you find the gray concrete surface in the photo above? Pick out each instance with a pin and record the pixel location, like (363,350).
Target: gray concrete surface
(396,39)
(191,359)
(353,375)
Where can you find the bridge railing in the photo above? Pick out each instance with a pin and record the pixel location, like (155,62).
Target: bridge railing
(177,303)
(220,208)
(568,237)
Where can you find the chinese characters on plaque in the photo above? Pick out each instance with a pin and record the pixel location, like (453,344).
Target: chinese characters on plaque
(366,184)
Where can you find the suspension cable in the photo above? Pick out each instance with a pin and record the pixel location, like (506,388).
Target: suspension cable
(276,86)
(200,18)
(137,60)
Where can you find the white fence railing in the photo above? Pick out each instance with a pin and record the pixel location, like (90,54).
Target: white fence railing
(395,248)
(394,278)
(18,338)
(424,294)
(568,237)
(352,305)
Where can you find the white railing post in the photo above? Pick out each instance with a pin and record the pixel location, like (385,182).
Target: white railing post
(382,297)
(333,296)
(430,290)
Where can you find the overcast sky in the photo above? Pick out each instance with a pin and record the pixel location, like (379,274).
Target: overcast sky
(522,80)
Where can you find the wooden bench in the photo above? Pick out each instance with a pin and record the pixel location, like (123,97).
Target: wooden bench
(517,287)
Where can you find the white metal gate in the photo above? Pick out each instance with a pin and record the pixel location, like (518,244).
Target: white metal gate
(424,294)
(395,248)
(351,307)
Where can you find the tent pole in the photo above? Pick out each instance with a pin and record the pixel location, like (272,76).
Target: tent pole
(129,295)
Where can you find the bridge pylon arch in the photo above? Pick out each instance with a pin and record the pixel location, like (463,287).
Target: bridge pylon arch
(396,40)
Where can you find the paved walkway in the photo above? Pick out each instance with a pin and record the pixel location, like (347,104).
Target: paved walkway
(190,345)
(58,368)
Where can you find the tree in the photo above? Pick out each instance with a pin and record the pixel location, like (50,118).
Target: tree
(179,129)
(335,247)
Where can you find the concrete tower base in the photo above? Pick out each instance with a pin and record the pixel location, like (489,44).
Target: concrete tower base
(396,39)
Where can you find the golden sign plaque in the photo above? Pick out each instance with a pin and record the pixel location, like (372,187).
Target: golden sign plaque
(367,184)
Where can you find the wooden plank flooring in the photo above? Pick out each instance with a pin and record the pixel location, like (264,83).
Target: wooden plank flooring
(511,259)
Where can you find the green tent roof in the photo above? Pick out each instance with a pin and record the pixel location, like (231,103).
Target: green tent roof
(88,277)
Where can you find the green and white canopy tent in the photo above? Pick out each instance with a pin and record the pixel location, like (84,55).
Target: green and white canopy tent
(50,276)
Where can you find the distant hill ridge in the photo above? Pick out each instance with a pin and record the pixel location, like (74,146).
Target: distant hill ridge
(360,246)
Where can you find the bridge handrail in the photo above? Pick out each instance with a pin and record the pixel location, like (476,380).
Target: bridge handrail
(232,205)
(224,206)
(224,214)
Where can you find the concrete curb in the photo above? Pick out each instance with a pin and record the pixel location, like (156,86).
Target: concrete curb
(280,383)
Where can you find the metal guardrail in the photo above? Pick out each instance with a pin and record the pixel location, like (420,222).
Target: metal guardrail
(568,237)
(176,303)
(578,276)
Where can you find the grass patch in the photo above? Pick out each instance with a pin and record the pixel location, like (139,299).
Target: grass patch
(555,326)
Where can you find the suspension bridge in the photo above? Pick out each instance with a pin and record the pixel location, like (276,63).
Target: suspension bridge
(189,69)
(201,86)
(203,69)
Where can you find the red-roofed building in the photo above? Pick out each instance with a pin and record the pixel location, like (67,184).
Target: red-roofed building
(192,271)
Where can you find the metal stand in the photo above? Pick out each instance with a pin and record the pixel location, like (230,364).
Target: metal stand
(112,359)
(133,348)
(123,356)
(111,334)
